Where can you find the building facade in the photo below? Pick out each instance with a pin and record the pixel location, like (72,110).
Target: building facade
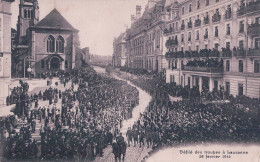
(213,44)
(48,44)
(119,53)
(144,39)
(5,48)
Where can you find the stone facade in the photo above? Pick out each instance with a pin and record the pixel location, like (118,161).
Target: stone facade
(5,48)
(221,25)
(119,54)
(145,37)
(49,44)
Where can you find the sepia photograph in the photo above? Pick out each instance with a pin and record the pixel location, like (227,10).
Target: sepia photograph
(130,80)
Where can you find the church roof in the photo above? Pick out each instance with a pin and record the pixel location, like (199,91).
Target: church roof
(54,20)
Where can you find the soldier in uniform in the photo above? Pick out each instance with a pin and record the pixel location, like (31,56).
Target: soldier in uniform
(129,135)
(120,139)
(141,137)
(135,134)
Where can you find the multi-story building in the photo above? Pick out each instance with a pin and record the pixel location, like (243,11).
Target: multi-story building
(5,48)
(145,37)
(119,54)
(213,44)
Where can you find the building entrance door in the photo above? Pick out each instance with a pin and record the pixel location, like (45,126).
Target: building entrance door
(55,63)
(205,83)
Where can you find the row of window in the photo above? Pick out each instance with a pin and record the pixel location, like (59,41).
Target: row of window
(198,6)
(241,66)
(51,43)
(227,84)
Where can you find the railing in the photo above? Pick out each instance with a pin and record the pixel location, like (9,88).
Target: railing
(254,52)
(228,15)
(189,25)
(216,34)
(204,69)
(197,22)
(228,32)
(216,18)
(251,7)
(239,52)
(250,52)
(171,42)
(254,29)
(206,20)
(206,36)
(182,26)
(241,30)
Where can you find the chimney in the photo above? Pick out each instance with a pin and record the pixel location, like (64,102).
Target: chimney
(138,12)
(132,19)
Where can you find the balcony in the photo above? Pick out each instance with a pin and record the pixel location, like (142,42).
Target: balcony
(251,7)
(182,26)
(239,52)
(241,30)
(206,20)
(171,42)
(166,31)
(228,32)
(216,34)
(197,22)
(206,36)
(254,29)
(254,52)
(228,15)
(204,69)
(189,25)
(216,18)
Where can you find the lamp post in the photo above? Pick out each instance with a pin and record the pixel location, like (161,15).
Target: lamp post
(29,70)
(30,59)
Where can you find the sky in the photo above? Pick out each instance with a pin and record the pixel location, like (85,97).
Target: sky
(99,21)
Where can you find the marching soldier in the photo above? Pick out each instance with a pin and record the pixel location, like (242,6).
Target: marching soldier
(135,134)
(129,135)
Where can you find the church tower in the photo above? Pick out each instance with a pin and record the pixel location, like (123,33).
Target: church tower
(28,16)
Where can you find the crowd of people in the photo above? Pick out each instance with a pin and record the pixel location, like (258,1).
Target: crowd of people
(205,63)
(88,120)
(193,120)
(91,116)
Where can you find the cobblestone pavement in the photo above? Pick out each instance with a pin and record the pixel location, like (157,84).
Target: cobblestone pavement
(133,154)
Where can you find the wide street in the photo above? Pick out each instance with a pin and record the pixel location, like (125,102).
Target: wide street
(137,153)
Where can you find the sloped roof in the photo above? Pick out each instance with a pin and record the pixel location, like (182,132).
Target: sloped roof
(55,20)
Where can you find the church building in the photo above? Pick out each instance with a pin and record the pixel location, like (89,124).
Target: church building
(49,44)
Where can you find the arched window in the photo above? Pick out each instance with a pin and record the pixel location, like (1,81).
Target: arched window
(32,15)
(50,44)
(66,64)
(25,14)
(29,14)
(60,45)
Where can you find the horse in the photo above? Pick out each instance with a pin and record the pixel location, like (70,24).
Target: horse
(119,149)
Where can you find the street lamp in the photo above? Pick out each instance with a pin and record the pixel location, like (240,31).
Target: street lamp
(30,59)
(29,70)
